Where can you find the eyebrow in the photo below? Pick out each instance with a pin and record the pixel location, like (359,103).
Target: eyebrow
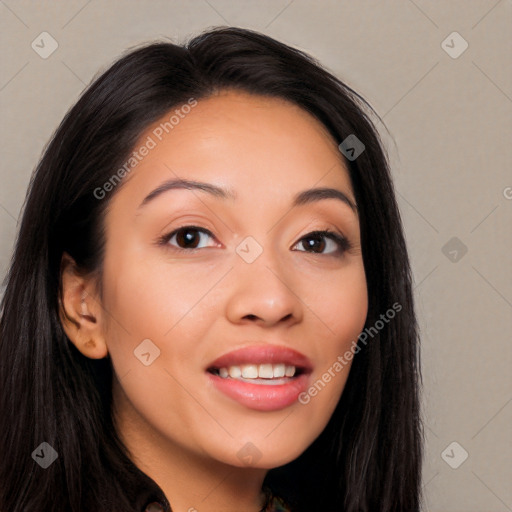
(305,197)
(213,190)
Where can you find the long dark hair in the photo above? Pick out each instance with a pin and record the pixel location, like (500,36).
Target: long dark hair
(368,457)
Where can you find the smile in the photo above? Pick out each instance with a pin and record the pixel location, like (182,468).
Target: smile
(263,378)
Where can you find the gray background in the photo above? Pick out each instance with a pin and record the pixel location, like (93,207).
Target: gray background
(449,122)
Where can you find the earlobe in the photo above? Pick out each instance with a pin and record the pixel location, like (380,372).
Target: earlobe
(80,312)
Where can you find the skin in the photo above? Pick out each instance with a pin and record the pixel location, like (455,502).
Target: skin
(198,305)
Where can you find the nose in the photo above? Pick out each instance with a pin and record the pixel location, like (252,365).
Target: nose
(263,294)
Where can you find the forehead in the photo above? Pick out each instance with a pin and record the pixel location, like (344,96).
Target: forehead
(251,144)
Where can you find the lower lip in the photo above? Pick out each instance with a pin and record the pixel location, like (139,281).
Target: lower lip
(261,397)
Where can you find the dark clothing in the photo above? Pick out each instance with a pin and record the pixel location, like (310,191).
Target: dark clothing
(147,496)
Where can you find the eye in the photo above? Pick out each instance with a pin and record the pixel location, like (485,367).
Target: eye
(318,241)
(186,237)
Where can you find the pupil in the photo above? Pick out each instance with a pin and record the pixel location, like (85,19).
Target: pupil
(186,236)
(312,243)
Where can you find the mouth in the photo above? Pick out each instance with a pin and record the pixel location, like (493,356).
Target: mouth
(264,378)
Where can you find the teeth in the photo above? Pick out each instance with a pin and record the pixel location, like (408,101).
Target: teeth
(255,371)
(249,371)
(280,370)
(265,371)
(235,372)
(290,371)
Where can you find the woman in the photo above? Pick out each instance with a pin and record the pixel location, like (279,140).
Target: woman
(209,305)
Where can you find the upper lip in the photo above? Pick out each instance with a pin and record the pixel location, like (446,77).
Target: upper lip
(263,354)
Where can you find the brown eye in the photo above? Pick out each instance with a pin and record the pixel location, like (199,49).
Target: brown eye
(317,242)
(187,237)
(314,243)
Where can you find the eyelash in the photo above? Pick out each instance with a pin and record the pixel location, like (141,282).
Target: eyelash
(343,243)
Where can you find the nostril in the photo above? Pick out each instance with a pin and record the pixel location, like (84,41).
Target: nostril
(255,317)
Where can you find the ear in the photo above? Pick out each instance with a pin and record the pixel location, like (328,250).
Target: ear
(80,310)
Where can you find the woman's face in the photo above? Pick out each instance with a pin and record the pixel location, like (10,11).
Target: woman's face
(248,285)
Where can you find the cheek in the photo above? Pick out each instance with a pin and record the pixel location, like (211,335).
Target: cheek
(150,300)
(149,297)
(157,300)
(342,306)
(341,303)
(348,310)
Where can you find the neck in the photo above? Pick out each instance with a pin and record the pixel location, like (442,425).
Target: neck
(191,482)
